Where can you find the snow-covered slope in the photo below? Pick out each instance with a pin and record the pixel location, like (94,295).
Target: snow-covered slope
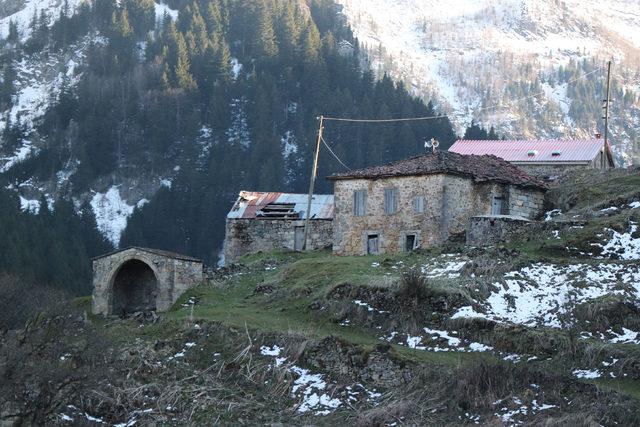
(504,62)
(21,12)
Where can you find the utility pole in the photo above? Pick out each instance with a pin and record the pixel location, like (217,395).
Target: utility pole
(606,103)
(314,172)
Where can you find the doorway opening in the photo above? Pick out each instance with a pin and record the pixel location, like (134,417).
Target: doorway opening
(410,242)
(373,244)
(135,289)
(298,239)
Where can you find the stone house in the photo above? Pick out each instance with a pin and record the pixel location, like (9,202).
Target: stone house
(422,201)
(544,157)
(275,221)
(141,279)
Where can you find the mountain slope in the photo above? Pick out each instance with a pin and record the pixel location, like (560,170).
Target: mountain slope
(157,114)
(514,64)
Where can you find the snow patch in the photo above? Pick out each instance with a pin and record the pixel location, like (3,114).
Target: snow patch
(111,212)
(29,206)
(22,18)
(587,374)
(270,351)
(627,337)
(542,294)
(163,10)
(622,245)
(238,132)
(289,144)
(311,388)
(236,68)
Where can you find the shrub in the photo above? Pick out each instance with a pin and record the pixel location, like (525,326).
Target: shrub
(20,300)
(414,285)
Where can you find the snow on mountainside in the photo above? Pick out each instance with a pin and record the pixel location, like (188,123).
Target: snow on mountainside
(515,64)
(40,78)
(21,12)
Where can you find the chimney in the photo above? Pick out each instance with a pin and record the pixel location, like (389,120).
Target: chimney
(598,135)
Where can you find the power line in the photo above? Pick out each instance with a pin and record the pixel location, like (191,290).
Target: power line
(415,119)
(407,119)
(334,154)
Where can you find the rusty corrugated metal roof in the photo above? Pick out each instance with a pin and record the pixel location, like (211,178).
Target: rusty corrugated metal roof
(251,203)
(535,150)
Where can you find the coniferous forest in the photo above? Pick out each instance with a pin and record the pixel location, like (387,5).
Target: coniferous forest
(224,96)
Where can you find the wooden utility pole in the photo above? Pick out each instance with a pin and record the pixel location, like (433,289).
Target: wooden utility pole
(606,103)
(314,172)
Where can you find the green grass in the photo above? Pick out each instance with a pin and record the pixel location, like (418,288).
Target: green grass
(587,189)
(308,278)
(81,303)
(621,385)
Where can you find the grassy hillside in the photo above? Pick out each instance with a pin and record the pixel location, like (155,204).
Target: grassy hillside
(543,329)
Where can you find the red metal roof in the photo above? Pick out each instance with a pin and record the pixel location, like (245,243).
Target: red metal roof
(535,150)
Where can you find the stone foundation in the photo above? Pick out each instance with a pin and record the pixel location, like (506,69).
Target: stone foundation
(490,230)
(249,235)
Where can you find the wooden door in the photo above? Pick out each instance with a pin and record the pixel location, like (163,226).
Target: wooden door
(298,239)
(372,244)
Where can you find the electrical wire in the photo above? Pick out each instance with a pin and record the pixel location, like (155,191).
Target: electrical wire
(334,154)
(411,119)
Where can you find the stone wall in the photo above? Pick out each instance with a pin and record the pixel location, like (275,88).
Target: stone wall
(525,202)
(489,230)
(173,275)
(245,236)
(450,202)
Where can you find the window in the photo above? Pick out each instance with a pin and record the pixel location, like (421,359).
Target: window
(419,204)
(390,200)
(410,242)
(496,206)
(359,202)
(373,243)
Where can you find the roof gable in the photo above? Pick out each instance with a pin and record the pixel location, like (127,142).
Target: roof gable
(535,150)
(160,252)
(479,168)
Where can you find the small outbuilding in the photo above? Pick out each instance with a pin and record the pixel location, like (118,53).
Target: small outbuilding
(420,202)
(544,157)
(267,221)
(141,279)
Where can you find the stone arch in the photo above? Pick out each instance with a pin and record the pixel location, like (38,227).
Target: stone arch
(134,286)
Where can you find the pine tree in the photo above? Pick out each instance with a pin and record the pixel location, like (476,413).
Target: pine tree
(311,45)
(13,35)
(120,25)
(184,79)
(265,43)
(289,31)
(7,87)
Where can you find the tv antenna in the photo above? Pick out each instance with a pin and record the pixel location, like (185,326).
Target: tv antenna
(433,144)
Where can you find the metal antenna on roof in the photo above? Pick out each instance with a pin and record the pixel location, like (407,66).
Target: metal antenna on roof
(433,144)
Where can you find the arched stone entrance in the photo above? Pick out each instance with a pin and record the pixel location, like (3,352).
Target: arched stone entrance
(135,288)
(141,279)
